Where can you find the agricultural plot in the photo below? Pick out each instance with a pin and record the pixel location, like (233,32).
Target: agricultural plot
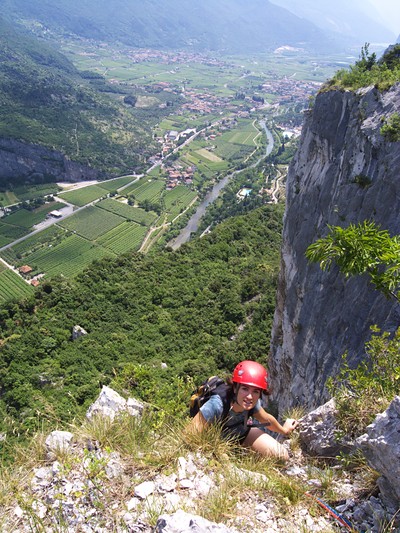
(16,254)
(13,286)
(85,195)
(91,222)
(68,258)
(9,233)
(129,212)
(28,192)
(146,189)
(27,219)
(125,238)
(206,154)
(117,183)
(178,200)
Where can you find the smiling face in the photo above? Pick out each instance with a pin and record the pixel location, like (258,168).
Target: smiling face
(247,397)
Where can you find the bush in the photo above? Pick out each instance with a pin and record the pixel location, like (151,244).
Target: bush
(361,393)
(391,129)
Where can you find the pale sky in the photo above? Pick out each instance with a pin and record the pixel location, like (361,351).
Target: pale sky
(390,13)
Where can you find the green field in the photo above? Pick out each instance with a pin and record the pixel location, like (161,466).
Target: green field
(9,233)
(12,286)
(125,238)
(27,192)
(26,219)
(84,195)
(68,258)
(115,184)
(146,189)
(177,200)
(91,222)
(127,211)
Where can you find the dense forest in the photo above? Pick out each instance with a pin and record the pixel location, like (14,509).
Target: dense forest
(197,310)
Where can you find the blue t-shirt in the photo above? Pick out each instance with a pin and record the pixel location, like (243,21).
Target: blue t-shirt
(235,424)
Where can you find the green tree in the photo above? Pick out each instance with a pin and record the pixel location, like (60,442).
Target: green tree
(361,249)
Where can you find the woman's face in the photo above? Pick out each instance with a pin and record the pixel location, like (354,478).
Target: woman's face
(247,396)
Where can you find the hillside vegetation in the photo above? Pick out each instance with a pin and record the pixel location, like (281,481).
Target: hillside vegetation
(205,25)
(199,310)
(46,101)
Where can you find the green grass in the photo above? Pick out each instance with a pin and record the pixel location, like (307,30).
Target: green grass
(13,286)
(85,195)
(91,222)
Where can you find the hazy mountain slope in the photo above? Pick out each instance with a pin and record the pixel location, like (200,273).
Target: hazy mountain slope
(357,20)
(46,101)
(254,25)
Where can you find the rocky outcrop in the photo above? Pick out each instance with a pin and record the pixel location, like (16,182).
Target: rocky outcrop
(82,487)
(381,447)
(36,163)
(344,172)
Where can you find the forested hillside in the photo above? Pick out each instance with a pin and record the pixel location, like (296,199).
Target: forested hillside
(46,101)
(198,310)
(203,25)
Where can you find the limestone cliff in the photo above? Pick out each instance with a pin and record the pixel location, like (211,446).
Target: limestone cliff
(344,172)
(21,161)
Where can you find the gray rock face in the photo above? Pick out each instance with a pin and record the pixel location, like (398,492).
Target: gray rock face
(109,404)
(181,522)
(381,447)
(23,160)
(318,432)
(320,315)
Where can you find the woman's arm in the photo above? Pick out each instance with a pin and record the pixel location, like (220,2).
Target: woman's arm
(272,423)
(197,424)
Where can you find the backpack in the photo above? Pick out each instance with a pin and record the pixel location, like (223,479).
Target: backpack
(211,386)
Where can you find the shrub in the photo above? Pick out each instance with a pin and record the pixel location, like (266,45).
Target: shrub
(368,389)
(391,129)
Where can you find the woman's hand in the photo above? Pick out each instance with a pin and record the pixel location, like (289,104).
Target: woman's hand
(289,425)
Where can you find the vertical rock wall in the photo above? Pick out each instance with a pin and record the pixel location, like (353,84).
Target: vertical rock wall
(321,315)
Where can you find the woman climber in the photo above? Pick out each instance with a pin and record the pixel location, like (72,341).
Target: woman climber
(236,403)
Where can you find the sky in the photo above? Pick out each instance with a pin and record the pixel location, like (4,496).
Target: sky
(390,13)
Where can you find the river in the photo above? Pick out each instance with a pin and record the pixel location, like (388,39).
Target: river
(194,221)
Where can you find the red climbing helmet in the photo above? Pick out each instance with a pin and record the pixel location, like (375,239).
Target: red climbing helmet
(251,373)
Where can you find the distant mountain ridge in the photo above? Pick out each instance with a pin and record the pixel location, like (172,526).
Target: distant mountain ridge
(357,20)
(226,25)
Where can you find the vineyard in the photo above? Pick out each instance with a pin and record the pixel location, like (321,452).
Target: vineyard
(127,211)
(178,200)
(125,238)
(13,286)
(146,189)
(85,195)
(91,222)
(67,258)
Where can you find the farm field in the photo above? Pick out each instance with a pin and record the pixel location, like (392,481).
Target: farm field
(124,238)
(17,254)
(26,219)
(138,215)
(28,192)
(68,258)
(91,222)
(12,286)
(146,189)
(85,195)
(177,200)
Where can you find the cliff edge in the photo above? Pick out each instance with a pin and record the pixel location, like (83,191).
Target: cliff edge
(344,172)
